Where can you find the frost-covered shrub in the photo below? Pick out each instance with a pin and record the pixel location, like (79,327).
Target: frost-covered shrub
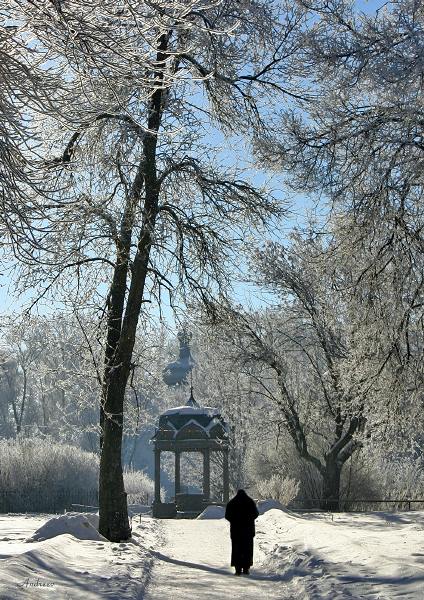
(278,487)
(380,478)
(139,487)
(405,478)
(359,481)
(26,463)
(42,475)
(285,462)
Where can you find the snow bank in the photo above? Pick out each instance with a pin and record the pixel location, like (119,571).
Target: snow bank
(65,567)
(266,505)
(81,526)
(212,512)
(315,555)
(344,555)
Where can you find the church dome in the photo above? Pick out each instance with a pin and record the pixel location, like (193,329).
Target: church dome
(177,372)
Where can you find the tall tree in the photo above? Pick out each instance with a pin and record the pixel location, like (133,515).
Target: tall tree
(140,194)
(302,349)
(359,145)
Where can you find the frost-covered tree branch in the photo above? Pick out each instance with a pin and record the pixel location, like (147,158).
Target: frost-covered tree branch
(138,191)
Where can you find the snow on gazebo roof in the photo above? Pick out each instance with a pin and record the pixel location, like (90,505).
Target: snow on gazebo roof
(192,408)
(204,417)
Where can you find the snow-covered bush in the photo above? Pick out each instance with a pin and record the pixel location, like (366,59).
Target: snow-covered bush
(381,478)
(266,463)
(39,474)
(359,482)
(139,487)
(35,462)
(405,480)
(278,487)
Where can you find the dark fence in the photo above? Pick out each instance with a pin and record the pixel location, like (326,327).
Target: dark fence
(362,505)
(43,500)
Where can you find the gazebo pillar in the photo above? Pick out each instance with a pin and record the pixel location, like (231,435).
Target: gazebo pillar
(226,478)
(157,476)
(206,474)
(177,472)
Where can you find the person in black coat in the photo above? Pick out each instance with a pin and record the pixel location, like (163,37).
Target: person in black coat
(241,512)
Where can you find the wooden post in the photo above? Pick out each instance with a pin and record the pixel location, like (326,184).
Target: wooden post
(177,473)
(206,474)
(157,476)
(226,478)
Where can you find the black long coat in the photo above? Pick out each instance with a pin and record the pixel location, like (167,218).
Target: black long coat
(241,512)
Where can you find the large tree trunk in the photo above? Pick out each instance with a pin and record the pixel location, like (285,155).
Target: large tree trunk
(331,485)
(113,522)
(122,323)
(340,452)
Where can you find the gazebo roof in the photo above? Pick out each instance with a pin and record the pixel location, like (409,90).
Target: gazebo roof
(191,421)
(192,408)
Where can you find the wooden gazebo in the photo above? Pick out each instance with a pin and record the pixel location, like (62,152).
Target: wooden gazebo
(190,428)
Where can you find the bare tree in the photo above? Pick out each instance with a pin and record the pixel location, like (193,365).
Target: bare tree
(141,206)
(358,145)
(301,349)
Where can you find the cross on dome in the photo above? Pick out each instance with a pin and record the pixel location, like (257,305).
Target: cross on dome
(191,401)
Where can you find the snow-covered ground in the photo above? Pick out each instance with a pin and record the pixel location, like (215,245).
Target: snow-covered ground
(377,556)
(310,556)
(64,567)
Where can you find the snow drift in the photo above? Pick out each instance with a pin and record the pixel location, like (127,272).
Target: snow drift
(269,504)
(65,567)
(212,512)
(81,526)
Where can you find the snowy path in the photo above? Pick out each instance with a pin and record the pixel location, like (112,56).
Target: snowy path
(194,563)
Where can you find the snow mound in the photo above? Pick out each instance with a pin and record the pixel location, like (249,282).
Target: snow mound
(81,526)
(212,512)
(266,505)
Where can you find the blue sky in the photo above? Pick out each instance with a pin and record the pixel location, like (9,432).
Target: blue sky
(369,6)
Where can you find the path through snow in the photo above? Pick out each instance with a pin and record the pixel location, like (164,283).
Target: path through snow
(194,563)
(372,556)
